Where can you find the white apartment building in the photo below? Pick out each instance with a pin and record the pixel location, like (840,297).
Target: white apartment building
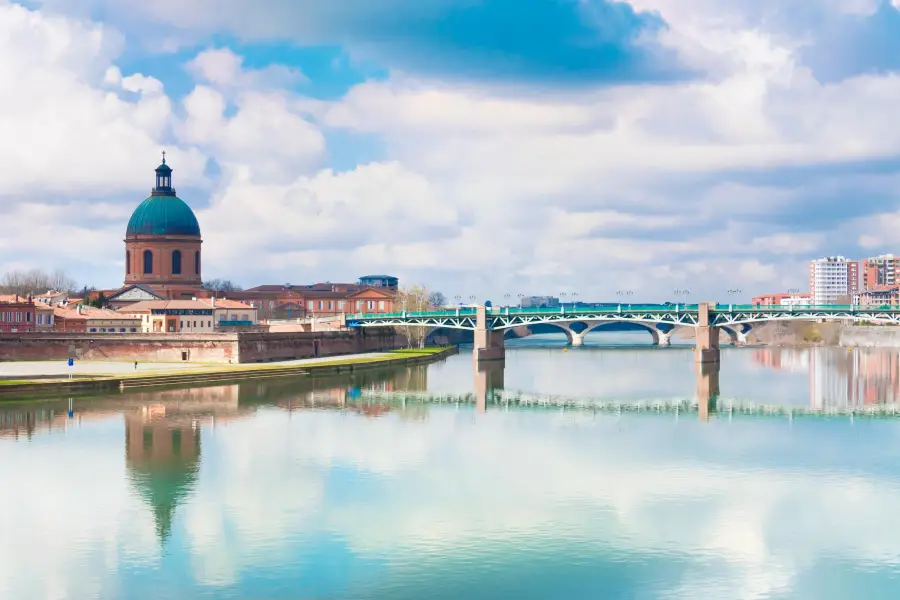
(833,280)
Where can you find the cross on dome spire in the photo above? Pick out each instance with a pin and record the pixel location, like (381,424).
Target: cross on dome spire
(164,156)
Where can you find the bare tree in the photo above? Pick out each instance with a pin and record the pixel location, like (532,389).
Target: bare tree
(36,281)
(222,285)
(437,299)
(415,298)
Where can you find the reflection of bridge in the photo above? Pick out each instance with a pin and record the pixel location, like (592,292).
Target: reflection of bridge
(491,325)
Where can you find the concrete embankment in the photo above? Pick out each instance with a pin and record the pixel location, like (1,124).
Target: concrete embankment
(870,337)
(20,389)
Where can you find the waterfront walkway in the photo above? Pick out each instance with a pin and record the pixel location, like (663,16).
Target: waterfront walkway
(26,369)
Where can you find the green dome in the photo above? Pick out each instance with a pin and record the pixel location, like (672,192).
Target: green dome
(163,215)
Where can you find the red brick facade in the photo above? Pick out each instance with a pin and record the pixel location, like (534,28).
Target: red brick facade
(167,254)
(17,316)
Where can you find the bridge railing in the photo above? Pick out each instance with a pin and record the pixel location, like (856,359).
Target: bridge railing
(500,311)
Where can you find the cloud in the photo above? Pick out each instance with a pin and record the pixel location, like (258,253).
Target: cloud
(223,68)
(547,40)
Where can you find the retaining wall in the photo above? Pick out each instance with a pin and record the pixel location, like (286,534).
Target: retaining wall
(880,337)
(200,348)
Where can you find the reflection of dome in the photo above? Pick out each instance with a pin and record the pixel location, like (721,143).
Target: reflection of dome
(163,215)
(163,464)
(164,487)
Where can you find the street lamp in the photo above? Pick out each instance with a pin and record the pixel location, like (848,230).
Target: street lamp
(506,297)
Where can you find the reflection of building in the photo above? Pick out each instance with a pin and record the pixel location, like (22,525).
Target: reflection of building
(782,359)
(838,378)
(163,459)
(832,378)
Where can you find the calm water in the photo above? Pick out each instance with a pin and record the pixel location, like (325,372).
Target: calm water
(299,489)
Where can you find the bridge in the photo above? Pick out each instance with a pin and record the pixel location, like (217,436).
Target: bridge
(491,324)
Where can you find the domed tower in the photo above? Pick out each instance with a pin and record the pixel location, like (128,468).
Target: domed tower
(162,243)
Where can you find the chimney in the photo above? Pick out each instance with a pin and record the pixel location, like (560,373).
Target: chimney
(213,301)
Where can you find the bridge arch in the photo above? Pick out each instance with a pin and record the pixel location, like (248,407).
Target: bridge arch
(656,331)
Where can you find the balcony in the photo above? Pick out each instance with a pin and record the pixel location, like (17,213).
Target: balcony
(235,324)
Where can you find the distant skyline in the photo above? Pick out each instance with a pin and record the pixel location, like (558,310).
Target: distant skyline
(480,148)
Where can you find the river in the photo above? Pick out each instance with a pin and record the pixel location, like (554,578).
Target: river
(292,488)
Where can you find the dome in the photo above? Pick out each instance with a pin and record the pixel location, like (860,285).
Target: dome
(163,215)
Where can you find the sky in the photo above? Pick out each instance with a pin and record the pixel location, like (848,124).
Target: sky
(477,147)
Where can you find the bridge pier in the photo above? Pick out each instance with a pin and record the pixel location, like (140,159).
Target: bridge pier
(488,378)
(488,343)
(663,338)
(576,339)
(707,389)
(707,349)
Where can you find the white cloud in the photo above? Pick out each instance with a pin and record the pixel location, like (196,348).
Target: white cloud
(223,68)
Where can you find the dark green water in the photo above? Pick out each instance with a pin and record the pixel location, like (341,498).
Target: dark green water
(299,489)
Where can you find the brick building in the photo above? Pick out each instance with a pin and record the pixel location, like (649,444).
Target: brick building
(17,314)
(781,299)
(162,243)
(317,300)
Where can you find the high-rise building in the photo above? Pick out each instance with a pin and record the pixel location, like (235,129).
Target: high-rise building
(833,280)
(878,271)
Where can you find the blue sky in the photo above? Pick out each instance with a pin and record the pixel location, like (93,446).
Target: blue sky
(475,146)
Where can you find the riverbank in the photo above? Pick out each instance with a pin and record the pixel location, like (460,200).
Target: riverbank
(88,384)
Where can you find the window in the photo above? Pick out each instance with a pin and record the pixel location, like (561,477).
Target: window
(197,262)
(358,304)
(181,325)
(246,318)
(209,323)
(28,317)
(133,330)
(40,319)
(176,262)
(93,330)
(309,305)
(103,330)
(128,262)
(195,323)
(381,305)
(321,304)
(340,305)
(18,317)
(371,304)
(148,262)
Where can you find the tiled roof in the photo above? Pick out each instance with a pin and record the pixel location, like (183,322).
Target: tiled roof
(148,305)
(229,304)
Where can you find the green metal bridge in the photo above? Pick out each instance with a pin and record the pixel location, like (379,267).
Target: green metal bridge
(740,317)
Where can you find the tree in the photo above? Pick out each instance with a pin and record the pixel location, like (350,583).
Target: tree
(415,298)
(35,281)
(437,299)
(222,285)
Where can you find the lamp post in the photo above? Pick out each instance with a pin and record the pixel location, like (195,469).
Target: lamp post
(682,293)
(734,292)
(458,299)
(506,298)
(287,286)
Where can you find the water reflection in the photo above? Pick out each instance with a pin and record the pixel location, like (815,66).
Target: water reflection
(298,488)
(840,377)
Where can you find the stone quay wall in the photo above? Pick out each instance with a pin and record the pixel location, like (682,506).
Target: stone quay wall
(195,348)
(870,337)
